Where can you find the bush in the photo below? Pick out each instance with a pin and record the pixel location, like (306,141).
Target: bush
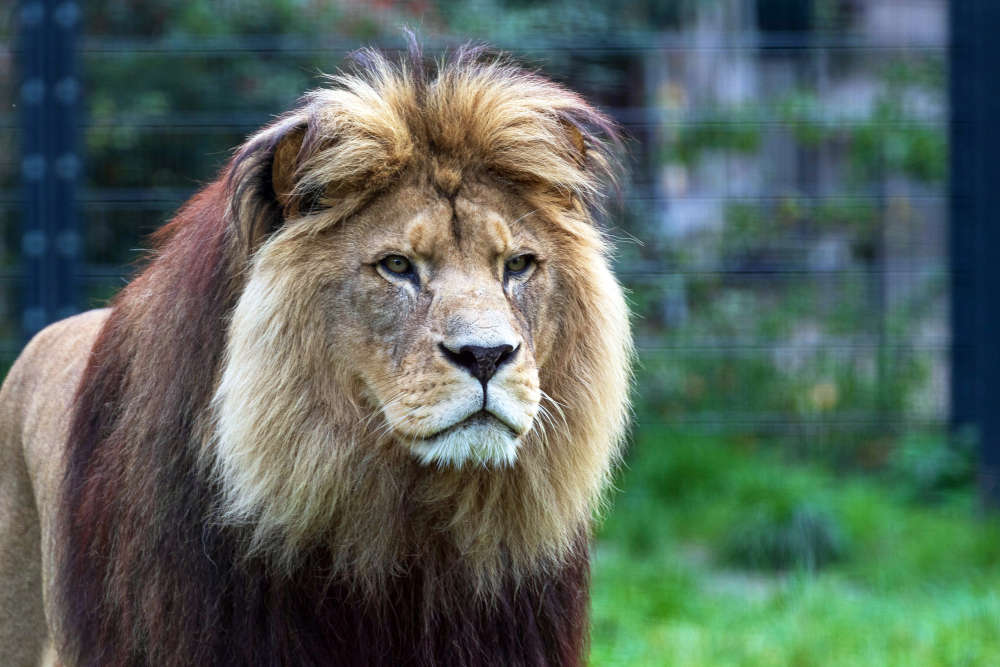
(929,466)
(780,537)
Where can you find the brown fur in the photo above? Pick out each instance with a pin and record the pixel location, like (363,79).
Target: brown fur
(256,471)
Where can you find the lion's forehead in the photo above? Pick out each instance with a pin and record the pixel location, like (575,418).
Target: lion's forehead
(475,223)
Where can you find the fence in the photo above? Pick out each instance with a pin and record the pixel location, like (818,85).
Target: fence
(788,179)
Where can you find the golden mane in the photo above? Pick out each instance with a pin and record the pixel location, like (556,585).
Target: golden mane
(353,138)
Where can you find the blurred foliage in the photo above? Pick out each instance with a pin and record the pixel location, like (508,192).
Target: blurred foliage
(163,18)
(507,21)
(733,130)
(891,138)
(783,319)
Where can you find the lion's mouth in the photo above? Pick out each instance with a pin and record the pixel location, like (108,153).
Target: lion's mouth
(482,438)
(480,418)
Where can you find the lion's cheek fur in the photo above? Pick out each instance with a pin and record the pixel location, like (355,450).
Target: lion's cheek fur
(282,430)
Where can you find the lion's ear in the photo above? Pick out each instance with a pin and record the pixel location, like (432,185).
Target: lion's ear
(576,141)
(576,147)
(284,165)
(592,143)
(264,179)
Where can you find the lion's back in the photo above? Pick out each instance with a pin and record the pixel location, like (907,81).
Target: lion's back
(35,405)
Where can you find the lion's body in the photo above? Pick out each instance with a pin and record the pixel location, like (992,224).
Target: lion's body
(359,408)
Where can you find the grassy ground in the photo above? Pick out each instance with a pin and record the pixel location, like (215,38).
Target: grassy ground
(714,554)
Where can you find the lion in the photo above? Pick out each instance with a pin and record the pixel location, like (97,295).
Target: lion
(359,408)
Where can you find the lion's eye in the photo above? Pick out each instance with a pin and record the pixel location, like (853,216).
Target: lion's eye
(396,264)
(519,264)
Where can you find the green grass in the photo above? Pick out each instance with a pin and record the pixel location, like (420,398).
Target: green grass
(906,584)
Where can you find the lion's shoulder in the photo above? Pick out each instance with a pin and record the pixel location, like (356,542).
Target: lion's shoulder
(38,391)
(60,342)
(52,361)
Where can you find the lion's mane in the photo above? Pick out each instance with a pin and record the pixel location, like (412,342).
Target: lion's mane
(181,546)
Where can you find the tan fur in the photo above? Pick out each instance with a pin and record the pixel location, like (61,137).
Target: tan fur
(35,402)
(334,379)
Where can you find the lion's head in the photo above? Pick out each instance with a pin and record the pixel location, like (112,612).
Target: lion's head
(429,308)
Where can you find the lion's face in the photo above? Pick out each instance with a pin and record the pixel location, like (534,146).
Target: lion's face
(440,308)
(439,304)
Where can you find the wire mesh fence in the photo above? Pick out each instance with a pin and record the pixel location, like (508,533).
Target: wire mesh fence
(782,233)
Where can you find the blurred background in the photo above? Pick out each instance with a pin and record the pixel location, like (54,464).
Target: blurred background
(813,461)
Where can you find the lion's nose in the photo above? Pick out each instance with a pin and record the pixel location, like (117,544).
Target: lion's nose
(481,362)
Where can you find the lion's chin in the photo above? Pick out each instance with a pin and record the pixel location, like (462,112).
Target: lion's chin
(479,440)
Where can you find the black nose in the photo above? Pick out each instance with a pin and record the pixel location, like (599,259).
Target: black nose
(481,362)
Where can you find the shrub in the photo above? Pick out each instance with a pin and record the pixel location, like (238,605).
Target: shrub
(782,537)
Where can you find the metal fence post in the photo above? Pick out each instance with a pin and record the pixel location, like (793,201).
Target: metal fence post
(975,231)
(50,163)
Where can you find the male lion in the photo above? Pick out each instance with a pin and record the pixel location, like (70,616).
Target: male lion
(357,410)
